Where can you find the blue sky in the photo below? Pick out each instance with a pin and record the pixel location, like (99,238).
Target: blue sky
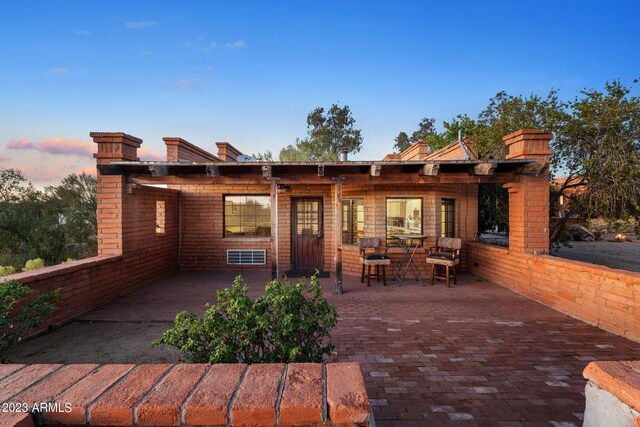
(250,72)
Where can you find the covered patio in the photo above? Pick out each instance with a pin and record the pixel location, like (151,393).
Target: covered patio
(473,354)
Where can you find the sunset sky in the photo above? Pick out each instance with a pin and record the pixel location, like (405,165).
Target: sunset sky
(249,72)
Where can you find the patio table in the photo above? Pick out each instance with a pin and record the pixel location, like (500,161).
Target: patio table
(409,244)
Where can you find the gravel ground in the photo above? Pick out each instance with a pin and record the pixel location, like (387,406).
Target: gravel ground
(88,342)
(612,254)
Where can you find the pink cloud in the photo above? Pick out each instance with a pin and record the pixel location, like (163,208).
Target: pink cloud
(89,170)
(66,146)
(62,145)
(54,145)
(149,155)
(5,158)
(21,144)
(41,175)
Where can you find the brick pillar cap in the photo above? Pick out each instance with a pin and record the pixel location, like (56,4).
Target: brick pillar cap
(224,144)
(539,134)
(174,140)
(125,136)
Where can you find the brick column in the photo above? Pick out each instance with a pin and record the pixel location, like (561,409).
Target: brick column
(529,193)
(112,147)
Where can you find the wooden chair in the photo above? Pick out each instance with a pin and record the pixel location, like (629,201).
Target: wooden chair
(375,258)
(446,254)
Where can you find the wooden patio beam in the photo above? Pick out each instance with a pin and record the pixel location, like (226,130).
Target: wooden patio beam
(338,234)
(430,169)
(486,168)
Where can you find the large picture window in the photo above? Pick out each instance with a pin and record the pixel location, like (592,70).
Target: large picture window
(352,220)
(247,216)
(404,216)
(448,218)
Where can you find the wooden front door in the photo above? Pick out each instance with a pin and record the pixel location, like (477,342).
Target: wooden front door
(307,235)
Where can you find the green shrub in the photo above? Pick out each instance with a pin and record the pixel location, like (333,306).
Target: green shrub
(19,313)
(6,270)
(33,264)
(289,323)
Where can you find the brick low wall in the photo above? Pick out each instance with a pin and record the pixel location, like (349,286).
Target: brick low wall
(186,394)
(85,284)
(141,255)
(604,297)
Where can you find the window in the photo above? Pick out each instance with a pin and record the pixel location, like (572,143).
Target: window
(160,217)
(247,216)
(448,218)
(404,216)
(352,220)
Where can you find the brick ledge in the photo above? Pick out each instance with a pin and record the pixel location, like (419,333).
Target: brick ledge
(193,394)
(621,379)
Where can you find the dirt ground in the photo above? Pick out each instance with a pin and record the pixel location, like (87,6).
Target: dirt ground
(611,254)
(88,342)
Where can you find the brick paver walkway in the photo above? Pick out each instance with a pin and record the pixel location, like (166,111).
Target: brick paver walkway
(474,354)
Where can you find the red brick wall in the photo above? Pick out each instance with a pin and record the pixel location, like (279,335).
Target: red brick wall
(203,246)
(85,284)
(602,296)
(144,256)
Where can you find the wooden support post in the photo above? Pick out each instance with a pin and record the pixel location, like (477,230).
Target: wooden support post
(338,235)
(275,269)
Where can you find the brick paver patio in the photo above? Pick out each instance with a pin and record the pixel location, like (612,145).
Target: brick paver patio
(474,354)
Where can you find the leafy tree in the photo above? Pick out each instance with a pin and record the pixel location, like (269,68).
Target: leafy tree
(20,312)
(599,147)
(461,123)
(54,224)
(327,134)
(289,323)
(14,187)
(75,202)
(493,208)
(402,142)
(507,113)
(427,132)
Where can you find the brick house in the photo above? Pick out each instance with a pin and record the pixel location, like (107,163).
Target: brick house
(197,210)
